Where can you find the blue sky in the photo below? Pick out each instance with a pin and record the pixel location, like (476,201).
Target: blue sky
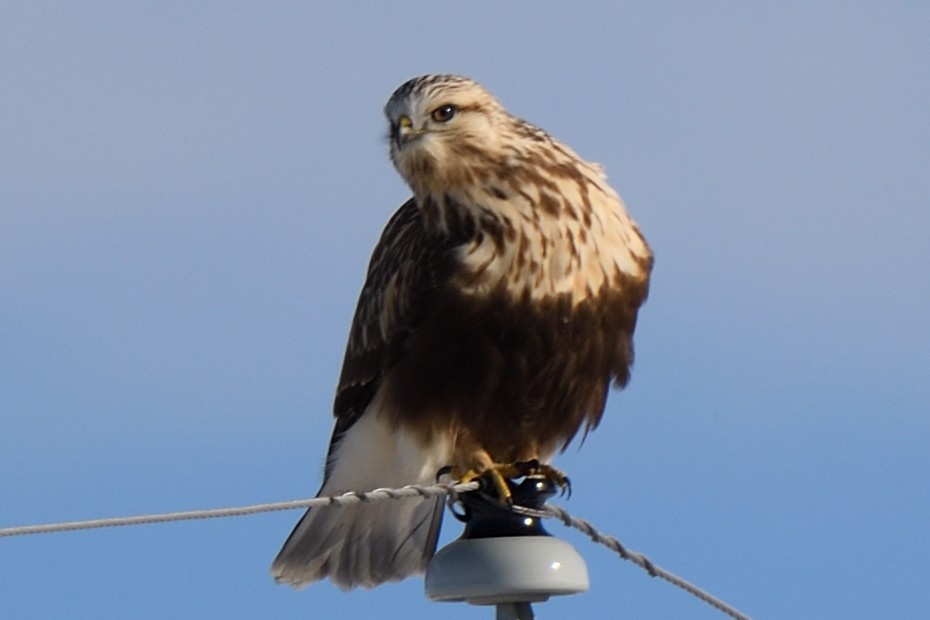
(188,199)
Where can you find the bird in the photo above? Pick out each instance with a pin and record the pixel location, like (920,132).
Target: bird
(497,311)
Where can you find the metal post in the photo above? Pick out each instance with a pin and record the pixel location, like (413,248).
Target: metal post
(514,611)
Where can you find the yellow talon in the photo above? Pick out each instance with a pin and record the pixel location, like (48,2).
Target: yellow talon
(498,474)
(557,477)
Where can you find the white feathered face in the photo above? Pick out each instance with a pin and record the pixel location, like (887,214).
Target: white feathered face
(439,125)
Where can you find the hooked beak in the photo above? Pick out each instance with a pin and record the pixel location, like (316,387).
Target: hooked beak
(403,131)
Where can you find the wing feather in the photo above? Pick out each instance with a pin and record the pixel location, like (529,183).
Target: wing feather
(393,301)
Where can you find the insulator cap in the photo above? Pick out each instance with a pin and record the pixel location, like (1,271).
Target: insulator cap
(505,557)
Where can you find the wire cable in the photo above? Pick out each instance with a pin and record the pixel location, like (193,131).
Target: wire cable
(435,490)
(642,561)
(215,513)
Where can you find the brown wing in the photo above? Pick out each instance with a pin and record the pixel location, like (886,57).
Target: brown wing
(392,302)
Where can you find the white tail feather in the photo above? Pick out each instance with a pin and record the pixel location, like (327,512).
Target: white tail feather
(366,544)
(361,545)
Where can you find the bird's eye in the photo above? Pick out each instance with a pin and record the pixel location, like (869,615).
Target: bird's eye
(444,113)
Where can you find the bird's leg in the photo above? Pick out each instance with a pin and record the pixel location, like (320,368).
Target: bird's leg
(497,474)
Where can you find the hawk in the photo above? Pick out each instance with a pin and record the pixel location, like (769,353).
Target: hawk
(499,307)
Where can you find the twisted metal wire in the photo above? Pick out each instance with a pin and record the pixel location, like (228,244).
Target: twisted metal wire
(435,490)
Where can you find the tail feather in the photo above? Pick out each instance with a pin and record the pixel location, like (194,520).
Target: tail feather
(362,545)
(369,543)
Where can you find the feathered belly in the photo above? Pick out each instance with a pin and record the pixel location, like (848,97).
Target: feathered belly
(519,377)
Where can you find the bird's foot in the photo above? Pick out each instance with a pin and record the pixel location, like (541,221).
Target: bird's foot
(495,477)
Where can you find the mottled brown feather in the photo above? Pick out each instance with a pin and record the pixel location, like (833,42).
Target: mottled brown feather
(498,308)
(459,348)
(507,370)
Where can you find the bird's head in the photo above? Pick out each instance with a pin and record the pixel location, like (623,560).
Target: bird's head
(440,127)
